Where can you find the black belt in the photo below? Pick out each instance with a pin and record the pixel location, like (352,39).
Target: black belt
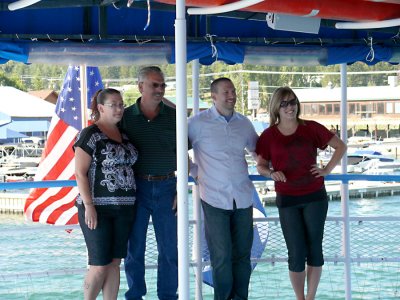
(156,177)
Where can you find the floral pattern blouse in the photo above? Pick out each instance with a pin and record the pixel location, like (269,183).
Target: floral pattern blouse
(111,176)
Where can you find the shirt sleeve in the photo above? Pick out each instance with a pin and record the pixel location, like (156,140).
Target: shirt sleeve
(193,169)
(192,131)
(262,147)
(323,135)
(252,141)
(85,140)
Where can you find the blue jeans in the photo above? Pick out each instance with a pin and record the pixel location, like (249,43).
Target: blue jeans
(155,199)
(229,235)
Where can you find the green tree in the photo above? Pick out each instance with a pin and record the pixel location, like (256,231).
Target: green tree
(38,76)
(10,81)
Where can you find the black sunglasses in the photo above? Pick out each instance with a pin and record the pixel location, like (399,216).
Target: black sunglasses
(291,102)
(157,85)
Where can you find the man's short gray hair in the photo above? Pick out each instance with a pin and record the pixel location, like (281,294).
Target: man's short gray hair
(143,72)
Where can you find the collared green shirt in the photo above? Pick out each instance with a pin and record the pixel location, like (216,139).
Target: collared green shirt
(154,139)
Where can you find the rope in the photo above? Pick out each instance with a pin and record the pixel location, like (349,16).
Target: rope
(214,50)
(371,54)
(148,15)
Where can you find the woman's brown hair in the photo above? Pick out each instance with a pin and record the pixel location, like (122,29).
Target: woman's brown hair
(100,97)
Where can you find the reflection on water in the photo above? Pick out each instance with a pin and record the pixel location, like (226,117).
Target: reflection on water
(10,219)
(366,206)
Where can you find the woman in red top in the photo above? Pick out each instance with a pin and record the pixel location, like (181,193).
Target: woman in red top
(287,152)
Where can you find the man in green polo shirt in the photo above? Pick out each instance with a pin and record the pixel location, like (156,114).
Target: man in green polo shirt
(151,127)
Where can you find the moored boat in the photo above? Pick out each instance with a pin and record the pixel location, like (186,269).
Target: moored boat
(364,161)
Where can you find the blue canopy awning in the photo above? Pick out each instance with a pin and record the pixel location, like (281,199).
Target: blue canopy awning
(98,54)
(103,34)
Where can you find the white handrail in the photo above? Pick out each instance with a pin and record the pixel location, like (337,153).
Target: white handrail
(21,4)
(222,8)
(368,25)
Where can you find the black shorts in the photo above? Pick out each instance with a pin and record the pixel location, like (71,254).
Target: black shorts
(109,240)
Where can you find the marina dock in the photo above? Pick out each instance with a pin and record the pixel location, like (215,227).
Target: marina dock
(356,190)
(13,203)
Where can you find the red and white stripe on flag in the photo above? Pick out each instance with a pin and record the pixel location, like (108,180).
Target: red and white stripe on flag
(55,205)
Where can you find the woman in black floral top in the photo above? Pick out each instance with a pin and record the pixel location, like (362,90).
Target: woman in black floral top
(104,160)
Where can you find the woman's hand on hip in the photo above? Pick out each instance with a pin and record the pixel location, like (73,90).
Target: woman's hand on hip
(91,216)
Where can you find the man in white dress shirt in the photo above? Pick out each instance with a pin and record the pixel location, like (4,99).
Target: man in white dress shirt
(220,137)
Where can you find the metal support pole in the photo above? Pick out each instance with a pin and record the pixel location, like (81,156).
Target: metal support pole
(196,195)
(195,86)
(182,148)
(84,100)
(344,187)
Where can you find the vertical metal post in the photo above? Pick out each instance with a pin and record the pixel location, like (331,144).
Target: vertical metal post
(242,88)
(84,110)
(182,148)
(84,100)
(196,195)
(344,186)
(195,86)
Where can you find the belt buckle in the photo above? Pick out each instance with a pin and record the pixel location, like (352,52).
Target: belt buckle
(156,177)
(170,175)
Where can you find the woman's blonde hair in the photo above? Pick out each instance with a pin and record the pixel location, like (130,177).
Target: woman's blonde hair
(274,105)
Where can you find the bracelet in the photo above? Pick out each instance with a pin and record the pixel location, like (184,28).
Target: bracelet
(270,174)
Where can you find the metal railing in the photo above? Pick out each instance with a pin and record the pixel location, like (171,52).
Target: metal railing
(385,246)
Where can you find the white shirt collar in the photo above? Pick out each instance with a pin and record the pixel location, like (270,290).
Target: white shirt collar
(217,115)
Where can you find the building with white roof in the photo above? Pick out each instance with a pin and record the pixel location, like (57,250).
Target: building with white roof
(23,113)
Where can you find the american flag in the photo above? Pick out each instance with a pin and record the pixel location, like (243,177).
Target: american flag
(57,205)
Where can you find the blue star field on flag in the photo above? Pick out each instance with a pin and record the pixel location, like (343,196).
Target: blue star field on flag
(68,106)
